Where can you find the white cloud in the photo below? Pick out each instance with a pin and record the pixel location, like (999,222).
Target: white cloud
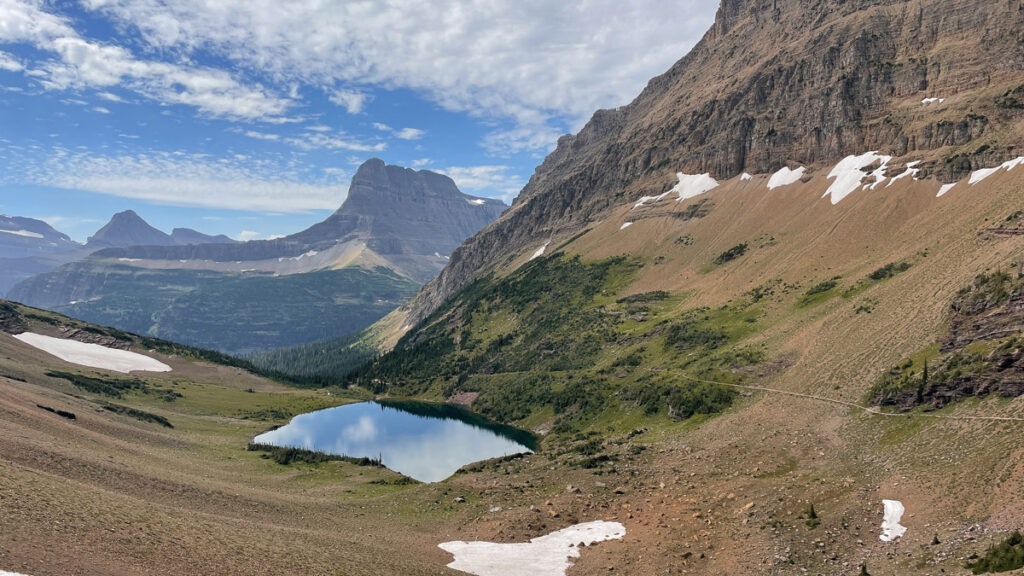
(81,63)
(547,65)
(353,102)
(403,134)
(110,97)
(340,141)
(495,181)
(177,179)
(247,235)
(421,162)
(262,135)
(101,110)
(10,63)
(409,134)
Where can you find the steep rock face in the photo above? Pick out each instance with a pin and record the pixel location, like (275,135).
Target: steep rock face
(412,219)
(774,82)
(128,229)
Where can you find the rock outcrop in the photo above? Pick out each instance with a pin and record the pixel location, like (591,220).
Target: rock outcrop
(774,82)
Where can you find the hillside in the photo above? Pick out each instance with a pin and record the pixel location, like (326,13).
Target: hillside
(393,232)
(778,84)
(149,473)
(779,278)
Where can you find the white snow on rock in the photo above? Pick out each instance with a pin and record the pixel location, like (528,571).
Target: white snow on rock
(540,251)
(543,556)
(945,188)
(128,260)
(928,101)
(911,171)
(477,201)
(689,186)
(980,175)
(2,573)
(309,254)
(891,528)
(626,225)
(745,177)
(93,355)
(849,173)
(785,177)
(24,233)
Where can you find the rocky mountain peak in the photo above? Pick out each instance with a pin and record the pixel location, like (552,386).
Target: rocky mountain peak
(128,229)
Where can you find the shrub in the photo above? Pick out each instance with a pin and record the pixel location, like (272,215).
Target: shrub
(731,254)
(1007,556)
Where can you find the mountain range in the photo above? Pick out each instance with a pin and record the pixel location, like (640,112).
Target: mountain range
(769,317)
(393,233)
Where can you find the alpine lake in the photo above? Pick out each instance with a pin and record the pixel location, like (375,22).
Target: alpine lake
(426,442)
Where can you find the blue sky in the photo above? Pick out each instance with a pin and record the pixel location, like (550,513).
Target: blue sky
(249,117)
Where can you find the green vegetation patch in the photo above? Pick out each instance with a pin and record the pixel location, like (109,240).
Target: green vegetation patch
(138,414)
(112,387)
(820,292)
(285,456)
(1007,556)
(554,344)
(731,254)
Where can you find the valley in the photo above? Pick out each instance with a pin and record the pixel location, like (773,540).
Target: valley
(765,319)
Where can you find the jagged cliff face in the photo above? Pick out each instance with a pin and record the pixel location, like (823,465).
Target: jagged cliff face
(777,82)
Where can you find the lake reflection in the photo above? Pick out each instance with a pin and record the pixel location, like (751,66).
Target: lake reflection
(427,442)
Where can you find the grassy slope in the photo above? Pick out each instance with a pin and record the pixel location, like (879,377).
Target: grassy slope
(712,495)
(833,342)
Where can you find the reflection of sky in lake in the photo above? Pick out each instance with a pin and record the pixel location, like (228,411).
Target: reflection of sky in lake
(428,449)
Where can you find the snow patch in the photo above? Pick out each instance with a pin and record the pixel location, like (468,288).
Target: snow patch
(911,171)
(2,573)
(928,101)
(128,260)
(689,186)
(477,201)
(540,251)
(309,254)
(543,556)
(23,233)
(626,225)
(891,528)
(93,355)
(980,175)
(945,188)
(785,177)
(849,173)
(746,177)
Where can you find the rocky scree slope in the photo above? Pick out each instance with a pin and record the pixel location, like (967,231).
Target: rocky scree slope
(772,83)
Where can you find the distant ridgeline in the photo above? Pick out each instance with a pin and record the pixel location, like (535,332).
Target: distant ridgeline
(393,233)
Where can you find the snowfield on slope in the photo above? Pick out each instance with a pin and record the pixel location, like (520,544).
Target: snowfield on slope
(689,186)
(26,234)
(979,175)
(891,528)
(543,556)
(849,173)
(785,177)
(540,251)
(93,355)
